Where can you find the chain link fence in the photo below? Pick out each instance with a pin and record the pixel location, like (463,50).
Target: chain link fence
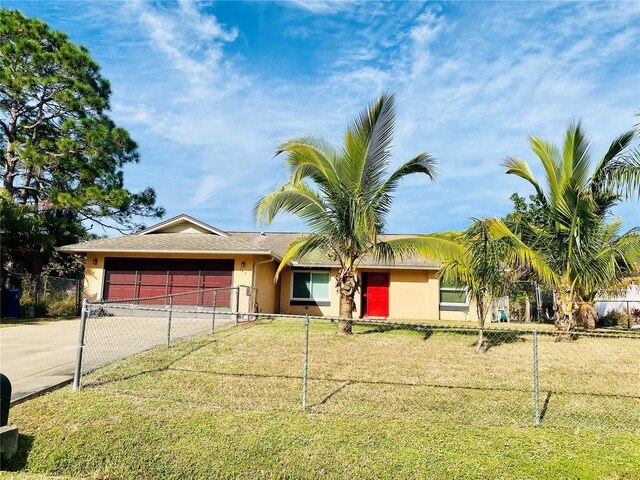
(433,373)
(524,377)
(412,371)
(44,295)
(116,329)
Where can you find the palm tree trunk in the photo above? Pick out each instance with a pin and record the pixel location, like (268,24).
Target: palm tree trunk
(348,284)
(346,314)
(563,306)
(481,347)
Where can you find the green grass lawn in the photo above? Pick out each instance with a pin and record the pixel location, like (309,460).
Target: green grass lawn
(15,322)
(383,403)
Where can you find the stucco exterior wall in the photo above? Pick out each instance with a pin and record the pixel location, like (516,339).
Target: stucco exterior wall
(93,277)
(413,294)
(332,310)
(267,295)
(466,315)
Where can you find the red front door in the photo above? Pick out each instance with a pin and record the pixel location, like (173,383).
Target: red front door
(375,294)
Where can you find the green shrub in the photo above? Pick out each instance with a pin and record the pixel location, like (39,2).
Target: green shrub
(60,305)
(615,318)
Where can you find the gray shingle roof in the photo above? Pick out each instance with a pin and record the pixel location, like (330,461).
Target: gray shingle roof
(278,243)
(257,243)
(166,242)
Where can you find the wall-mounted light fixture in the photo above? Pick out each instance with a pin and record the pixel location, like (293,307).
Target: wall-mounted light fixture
(243,264)
(95,261)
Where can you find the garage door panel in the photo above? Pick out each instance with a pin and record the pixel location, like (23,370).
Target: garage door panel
(120,292)
(141,278)
(187,299)
(222,298)
(217,279)
(145,291)
(191,279)
(152,278)
(121,277)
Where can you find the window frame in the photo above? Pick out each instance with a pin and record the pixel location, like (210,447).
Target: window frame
(324,302)
(453,305)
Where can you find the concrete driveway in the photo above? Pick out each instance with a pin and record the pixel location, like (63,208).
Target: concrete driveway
(37,357)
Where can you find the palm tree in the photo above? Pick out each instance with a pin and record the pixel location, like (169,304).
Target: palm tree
(344,197)
(491,258)
(576,236)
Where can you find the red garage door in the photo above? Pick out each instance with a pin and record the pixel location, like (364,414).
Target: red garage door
(127,278)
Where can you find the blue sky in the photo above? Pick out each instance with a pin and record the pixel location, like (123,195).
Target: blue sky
(208,90)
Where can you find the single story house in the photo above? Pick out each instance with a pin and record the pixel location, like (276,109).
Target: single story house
(183,254)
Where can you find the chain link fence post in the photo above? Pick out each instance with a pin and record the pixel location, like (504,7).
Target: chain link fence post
(306,362)
(237,306)
(536,386)
(83,323)
(169,324)
(213,320)
(78,296)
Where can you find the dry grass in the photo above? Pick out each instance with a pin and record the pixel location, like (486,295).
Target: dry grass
(591,381)
(385,403)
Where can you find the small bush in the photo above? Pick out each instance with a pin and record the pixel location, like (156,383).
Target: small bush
(615,318)
(61,305)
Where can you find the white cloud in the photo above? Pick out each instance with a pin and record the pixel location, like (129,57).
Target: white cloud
(427,28)
(320,6)
(194,44)
(470,91)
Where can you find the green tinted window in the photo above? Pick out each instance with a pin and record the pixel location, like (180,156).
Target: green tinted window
(453,296)
(310,285)
(301,285)
(320,285)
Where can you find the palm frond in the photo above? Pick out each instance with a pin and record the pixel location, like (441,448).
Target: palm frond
(519,254)
(620,175)
(615,149)
(382,198)
(310,157)
(440,247)
(379,144)
(575,155)
(549,155)
(302,248)
(299,199)
(367,146)
(344,195)
(519,167)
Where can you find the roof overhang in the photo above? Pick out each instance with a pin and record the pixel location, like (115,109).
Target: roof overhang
(367,267)
(179,219)
(163,251)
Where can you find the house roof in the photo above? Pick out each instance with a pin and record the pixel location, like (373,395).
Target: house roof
(185,235)
(167,243)
(278,243)
(182,220)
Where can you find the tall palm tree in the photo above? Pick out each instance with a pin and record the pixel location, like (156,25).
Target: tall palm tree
(576,236)
(344,196)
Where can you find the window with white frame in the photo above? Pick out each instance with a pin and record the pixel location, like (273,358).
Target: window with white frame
(310,287)
(453,296)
